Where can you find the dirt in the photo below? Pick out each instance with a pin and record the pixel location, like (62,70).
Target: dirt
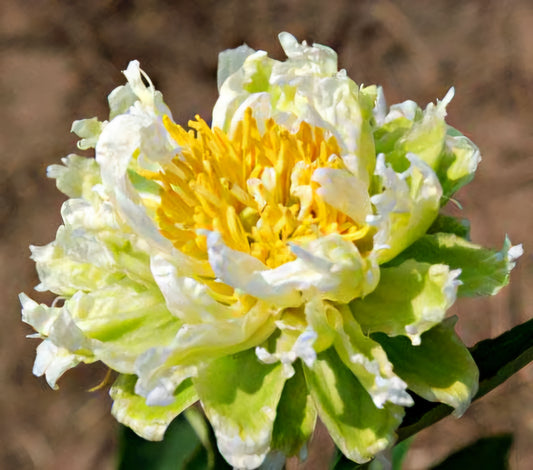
(60,59)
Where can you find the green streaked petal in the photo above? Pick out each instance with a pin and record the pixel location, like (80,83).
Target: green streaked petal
(410,299)
(357,426)
(368,361)
(198,343)
(483,271)
(295,416)
(406,128)
(125,320)
(407,206)
(149,422)
(426,137)
(240,396)
(440,369)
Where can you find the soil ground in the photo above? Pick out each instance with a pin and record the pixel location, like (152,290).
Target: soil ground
(59,59)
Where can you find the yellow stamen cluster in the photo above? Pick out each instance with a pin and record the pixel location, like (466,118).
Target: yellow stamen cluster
(254,188)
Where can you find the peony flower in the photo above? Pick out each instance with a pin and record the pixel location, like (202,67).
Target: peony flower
(287,262)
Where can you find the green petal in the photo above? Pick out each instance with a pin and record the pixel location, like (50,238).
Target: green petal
(368,362)
(295,416)
(195,344)
(440,369)
(125,320)
(406,208)
(458,162)
(149,422)
(426,136)
(359,429)
(89,130)
(240,396)
(483,271)
(408,129)
(410,299)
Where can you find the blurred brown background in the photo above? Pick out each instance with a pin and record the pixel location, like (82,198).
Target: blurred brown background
(58,61)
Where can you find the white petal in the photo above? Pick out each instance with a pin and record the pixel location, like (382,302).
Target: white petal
(343,191)
(53,362)
(187,298)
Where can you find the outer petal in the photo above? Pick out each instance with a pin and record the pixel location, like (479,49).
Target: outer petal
(90,252)
(406,128)
(410,299)
(292,344)
(240,396)
(139,138)
(368,362)
(64,345)
(459,162)
(124,321)
(295,417)
(39,316)
(483,271)
(439,369)
(406,208)
(53,361)
(359,429)
(197,343)
(89,130)
(149,422)
(426,136)
(76,177)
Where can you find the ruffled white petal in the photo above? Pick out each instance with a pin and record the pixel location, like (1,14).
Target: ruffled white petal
(328,266)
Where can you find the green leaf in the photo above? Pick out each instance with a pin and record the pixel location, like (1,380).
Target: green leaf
(440,369)
(240,396)
(503,356)
(149,422)
(497,359)
(448,224)
(295,416)
(358,428)
(483,271)
(399,452)
(488,452)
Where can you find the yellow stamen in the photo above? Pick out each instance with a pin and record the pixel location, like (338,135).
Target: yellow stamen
(254,189)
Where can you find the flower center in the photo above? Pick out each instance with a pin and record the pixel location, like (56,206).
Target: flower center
(254,188)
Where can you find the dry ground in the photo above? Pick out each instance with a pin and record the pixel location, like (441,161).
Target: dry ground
(58,61)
